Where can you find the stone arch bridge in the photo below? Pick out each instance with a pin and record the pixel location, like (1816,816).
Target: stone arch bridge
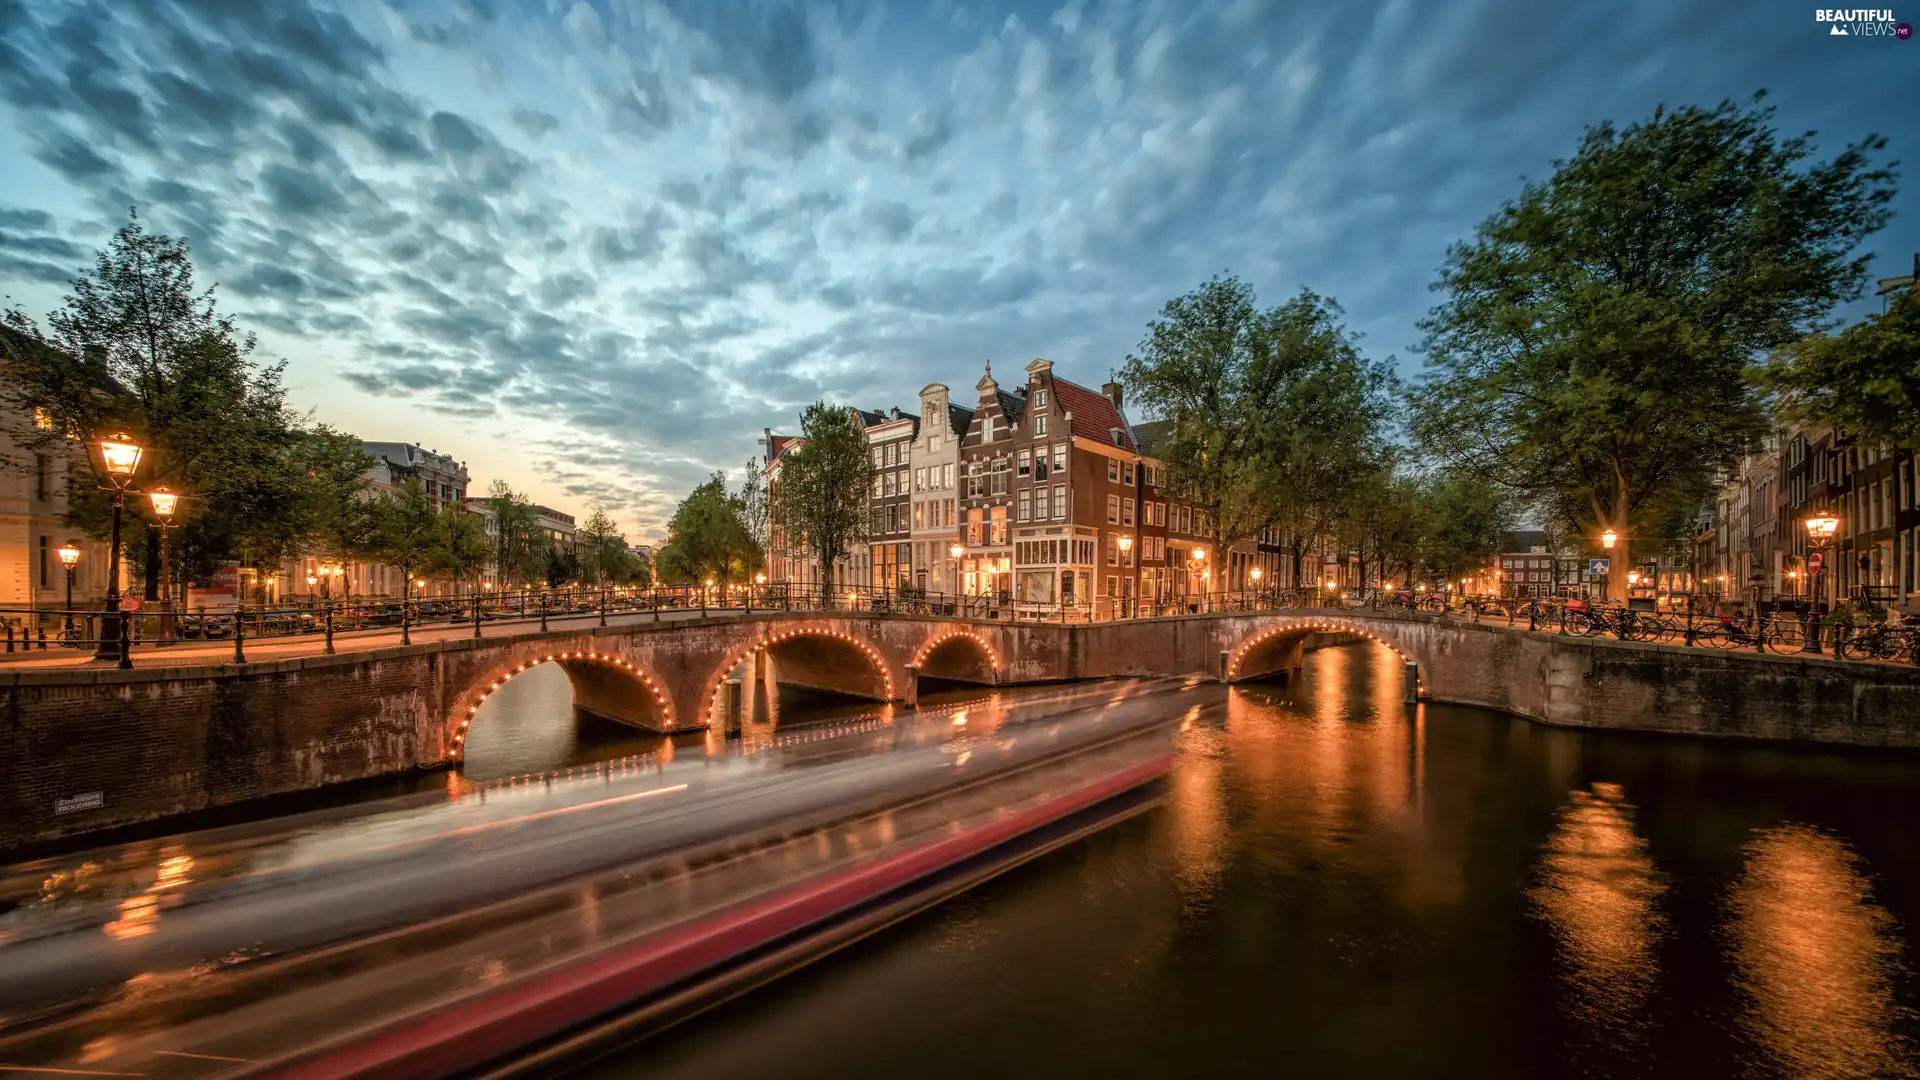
(85,749)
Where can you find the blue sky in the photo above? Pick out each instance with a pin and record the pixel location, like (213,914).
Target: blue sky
(594,247)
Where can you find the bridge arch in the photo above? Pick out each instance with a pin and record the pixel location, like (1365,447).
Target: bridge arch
(1271,647)
(959,655)
(812,657)
(604,683)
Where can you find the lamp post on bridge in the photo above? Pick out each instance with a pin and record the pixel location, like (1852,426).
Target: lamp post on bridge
(119,457)
(69,555)
(1821,528)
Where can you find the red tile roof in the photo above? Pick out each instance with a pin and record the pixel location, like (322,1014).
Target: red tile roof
(780,444)
(1094,414)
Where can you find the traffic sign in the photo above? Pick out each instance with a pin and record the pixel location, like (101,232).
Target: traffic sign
(1598,567)
(1815,561)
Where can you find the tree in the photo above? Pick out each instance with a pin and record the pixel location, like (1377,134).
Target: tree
(406,531)
(461,547)
(520,550)
(592,541)
(756,510)
(1274,414)
(136,349)
(336,510)
(707,539)
(824,485)
(1462,521)
(1595,350)
(1865,380)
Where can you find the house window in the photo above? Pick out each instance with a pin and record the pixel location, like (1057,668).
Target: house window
(1126,511)
(1126,474)
(999,521)
(1113,509)
(1024,505)
(976,479)
(919,479)
(1059,457)
(877,458)
(1039,399)
(40,481)
(1039,425)
(1113,551)
(986,429)
(1059,500)
(1001,472)
(1113,471)
(1025,463)
(46,566)
(919,516)
(933,444)
(974,518)
(886,486)
(877,480)
(1149,479)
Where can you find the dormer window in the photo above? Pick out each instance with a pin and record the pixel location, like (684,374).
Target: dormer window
(1119,437)
(1039,399)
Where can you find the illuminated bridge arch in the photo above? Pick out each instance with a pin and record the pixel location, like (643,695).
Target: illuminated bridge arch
(1256,654)
(814,658)
(604,684)
(959,655)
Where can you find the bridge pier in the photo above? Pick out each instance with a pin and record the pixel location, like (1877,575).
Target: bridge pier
(1412,693)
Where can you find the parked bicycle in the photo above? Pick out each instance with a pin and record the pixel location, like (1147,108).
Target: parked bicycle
(1883,641)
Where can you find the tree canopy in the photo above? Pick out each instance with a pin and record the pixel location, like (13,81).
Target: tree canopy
(1865,380)
(707,539)
(822,493)
(1273,413)
(1595,351)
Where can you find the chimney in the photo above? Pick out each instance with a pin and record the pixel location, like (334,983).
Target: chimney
(1112,390)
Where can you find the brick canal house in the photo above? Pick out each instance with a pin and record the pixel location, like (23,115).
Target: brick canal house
(1060,507)
(936,462)
(889,547)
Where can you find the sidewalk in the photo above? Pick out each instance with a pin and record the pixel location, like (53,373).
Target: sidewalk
(286,647)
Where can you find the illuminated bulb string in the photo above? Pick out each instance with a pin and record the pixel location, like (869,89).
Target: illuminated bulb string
(927,649)
(646,680)
(872,654)
(1240,654)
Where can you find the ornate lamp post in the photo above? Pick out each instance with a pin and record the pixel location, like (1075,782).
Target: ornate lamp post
(164,502)
(69,555)
(1821,527)
(120,458)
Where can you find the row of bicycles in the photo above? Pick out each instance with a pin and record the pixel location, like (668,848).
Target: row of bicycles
(1719,630)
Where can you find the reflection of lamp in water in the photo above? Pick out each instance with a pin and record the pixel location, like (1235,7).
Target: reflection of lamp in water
(1598,892)
(1819,958)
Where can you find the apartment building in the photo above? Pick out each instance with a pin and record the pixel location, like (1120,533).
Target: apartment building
(889,543)
(934,456)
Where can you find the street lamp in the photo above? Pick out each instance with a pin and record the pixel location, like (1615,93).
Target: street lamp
(164,502)
(69,555)
(120,456)
(1607,539)
(1821,527)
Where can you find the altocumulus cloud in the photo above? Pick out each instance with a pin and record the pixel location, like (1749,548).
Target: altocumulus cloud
(627,235)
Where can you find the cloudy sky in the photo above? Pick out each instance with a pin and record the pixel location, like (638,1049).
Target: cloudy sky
(594,247)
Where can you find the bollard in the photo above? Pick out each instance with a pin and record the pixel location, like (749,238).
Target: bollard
(329,649)
(1533,615)
(239,634)
(43,639)
(543,613)
(654,599)
(603,608)
(476,616)
(126,643)
(1813,631)
(1690,634)
(9,637)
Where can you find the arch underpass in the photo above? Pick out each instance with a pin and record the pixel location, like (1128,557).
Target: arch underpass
(958,656)
(605,685)
(801,665)
(1277,648)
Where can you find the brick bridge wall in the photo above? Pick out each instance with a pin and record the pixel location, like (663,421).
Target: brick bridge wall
(157,741)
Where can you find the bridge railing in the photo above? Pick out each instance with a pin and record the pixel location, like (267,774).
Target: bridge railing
(148,627)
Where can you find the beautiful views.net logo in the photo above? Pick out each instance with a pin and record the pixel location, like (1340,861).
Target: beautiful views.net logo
(1862,22)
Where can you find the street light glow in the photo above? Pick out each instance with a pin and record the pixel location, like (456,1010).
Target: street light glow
(69,554)
(1821,527)
(1607,538)
(163,501)
(120,454)
(1255,572)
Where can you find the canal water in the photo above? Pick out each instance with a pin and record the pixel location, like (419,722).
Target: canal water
(1340,885)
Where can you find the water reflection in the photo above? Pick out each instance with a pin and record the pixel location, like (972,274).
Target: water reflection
(1818,958)
(1598,890)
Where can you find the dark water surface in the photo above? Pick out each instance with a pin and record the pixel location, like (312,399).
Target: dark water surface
(1340,885)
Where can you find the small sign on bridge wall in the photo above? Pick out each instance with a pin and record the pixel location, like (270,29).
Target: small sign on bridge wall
(92,800)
